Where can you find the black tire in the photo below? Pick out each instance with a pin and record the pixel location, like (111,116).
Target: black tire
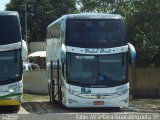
(49,91)
(60,94)
(52,99)
(16,108)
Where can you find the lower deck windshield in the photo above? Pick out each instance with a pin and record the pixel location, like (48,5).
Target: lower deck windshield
(109,70)
(10,65)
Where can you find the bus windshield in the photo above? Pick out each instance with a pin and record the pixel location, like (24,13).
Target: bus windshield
(95,32)
(9,30)
(110,70)
(10,64)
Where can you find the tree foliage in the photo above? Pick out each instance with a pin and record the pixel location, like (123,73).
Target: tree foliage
(100,6)
(142,18)
(40,13)
(143,30)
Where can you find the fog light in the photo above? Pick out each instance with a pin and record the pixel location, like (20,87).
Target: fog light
(11,90)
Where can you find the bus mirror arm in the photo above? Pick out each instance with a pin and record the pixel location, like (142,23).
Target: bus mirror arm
(132,52)
(63,69)
(63,54)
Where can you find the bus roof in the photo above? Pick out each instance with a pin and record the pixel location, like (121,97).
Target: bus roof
(94,16)
(6,13)
(88,16)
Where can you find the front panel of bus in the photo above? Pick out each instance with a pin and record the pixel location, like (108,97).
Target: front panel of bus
(96,79)
(96,70)
(10,60)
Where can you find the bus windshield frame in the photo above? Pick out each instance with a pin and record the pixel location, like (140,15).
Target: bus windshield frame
(98,33)
(10,66)
(97,70)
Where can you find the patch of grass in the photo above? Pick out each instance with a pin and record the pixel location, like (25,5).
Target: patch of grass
(148,103)
(31,97)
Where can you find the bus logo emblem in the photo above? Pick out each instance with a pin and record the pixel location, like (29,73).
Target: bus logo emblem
(98,96)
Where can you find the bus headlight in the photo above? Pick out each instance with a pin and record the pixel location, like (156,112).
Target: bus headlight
(11,90)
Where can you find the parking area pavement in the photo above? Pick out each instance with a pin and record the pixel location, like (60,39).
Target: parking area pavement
(44,110)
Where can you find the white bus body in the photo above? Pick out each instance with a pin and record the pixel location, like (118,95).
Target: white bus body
(80,51)
(12,51)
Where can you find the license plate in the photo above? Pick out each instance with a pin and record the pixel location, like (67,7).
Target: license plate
(98,102)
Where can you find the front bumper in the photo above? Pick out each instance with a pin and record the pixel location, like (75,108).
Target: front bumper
(9,102)
(74,101)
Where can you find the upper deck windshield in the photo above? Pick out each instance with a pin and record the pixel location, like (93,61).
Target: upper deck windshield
(95,32)
(9,29)
(10,65)
(110,70)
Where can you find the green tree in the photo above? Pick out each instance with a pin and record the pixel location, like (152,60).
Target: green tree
(143,26)
(142,18)
(40,13)
(100,6)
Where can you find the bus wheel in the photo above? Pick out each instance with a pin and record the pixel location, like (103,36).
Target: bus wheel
(16,108)
(52,100)
(49,92)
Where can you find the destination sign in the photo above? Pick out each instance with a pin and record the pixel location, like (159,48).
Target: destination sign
(101,51)
(97,51)
(84,57)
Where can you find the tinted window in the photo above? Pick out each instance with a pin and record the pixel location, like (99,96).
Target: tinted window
(9,30)
(10,64)
(107,70)
(106,32)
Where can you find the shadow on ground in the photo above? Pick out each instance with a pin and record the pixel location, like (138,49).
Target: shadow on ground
(43,107)
(7,110)
(47,107)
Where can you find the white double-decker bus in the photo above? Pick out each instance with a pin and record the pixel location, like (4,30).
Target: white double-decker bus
(12,50)
(87,61)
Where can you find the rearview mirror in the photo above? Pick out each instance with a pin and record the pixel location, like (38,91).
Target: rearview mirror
(63,54)
(132,52)
(24,50)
